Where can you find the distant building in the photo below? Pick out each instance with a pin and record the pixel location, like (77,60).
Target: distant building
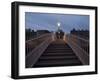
(41,32)
(30,34)
(80,33)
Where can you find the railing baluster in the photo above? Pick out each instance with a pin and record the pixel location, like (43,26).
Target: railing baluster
(31,44)
(82,43)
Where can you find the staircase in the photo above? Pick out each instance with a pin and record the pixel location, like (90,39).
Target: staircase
(58,53)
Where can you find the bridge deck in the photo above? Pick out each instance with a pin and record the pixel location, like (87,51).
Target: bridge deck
(58,53)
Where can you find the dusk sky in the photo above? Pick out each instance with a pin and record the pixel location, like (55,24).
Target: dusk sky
(45,21)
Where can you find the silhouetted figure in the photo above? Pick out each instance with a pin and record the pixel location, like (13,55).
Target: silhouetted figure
(59,34)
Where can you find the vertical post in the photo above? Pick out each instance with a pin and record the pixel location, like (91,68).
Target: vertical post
(65,37)
(53,36)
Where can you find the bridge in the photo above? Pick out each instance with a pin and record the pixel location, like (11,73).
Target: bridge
(47,51)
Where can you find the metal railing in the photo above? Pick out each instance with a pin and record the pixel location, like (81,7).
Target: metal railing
(80,46)
(82,43)
(39,45)
(33,43)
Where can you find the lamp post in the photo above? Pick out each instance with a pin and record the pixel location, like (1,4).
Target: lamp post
(58,25)
(58,30)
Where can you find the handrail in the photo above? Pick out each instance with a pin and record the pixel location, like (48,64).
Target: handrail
(78,44)
(33,43)
(38,37)
(81,42)
(80,38)
(34,54)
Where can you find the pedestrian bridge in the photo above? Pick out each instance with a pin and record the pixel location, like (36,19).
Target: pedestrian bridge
(47,51)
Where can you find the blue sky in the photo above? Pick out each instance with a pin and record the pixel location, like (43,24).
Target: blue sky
(48,21)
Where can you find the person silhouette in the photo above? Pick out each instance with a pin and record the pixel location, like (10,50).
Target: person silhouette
(59,33)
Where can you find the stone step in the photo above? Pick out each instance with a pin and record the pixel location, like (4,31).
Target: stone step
(58,53)
(65,62)
(57,57)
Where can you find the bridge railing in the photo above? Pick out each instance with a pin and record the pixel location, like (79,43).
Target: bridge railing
(82,43)
(36,47)
(80,46)
(33,43)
